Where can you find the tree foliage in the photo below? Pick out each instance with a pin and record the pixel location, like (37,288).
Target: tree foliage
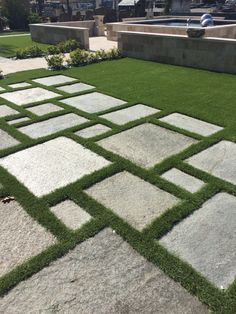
(17,12)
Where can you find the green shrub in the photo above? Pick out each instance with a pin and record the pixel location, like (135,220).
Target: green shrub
(55,62)
(29,52)
(78,57)
(53,50)
(68,45)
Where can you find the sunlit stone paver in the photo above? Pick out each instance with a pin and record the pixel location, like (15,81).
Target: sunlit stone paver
(54,80)
(52,165)
(75,88)
(71,214)
(93,102)
(15,121)
(6,140)
(129,114)
(191,124)
(28,96)
(184,180)
(41,110)
(2,89)
(133,199)
(7,111)
(94,130)
(218,160)
(207,239)
(53,125)
(101,275)
(20,85)
(147,144)
(20,238)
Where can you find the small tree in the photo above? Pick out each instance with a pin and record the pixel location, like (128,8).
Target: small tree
(17,12)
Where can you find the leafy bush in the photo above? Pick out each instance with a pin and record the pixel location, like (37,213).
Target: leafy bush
(34,18)
(29,52)
(53,50)
(55,62)
(68,45)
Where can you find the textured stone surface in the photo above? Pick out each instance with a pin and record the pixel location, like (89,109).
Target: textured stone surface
(7,111)
(191,124)
(75,88)
(15,121)
(20,238)
(133,199)
(183,179)
(20,85)
(71,214)
(93,102)
(30,95)
(52,165)
(147,144)
(41,110)
(129,114)
(218,160)
(93,131)
(7,140)
(207,239)
(101,275)
(52,125)
(54,80)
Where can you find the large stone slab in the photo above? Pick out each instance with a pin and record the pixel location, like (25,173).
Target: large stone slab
(191,124)
(7,111)
(19,120)
(147,144)
(27,96)
(133,199)
(93,102)
(75,88)
(41,110)
(129,114)
(207,239)
(21,237)
(53,125)
(54,164)
(218,160)
(101,275)
(94,130)
(6,140)
(54,80)
(20,85)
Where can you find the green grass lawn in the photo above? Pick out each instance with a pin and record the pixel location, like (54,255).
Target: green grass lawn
(205,95)
(13,33)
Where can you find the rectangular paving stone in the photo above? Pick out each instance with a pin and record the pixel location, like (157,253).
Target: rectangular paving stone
(20,85)
(147,144)
(93,102)
(15,121)
(191,124)
(6,140)
(207,240)
(21,237)
(183,179)
(101,275)
(41,110)
(53,125)
(75,88)
(218,160)
(30,95)
(52,165)
(129,114)
(71,214)
(54,80)
(94,130)
(7,111)
(133,199)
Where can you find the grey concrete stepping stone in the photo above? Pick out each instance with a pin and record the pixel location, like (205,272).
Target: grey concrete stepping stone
(184,180)
(7,111)
(101,275)
(2,89)
(27,96)
(53,125)
(129,114)
(207,240)
(94,130)
(75,88)
(133,199)
(218,160)
(191,124)
(21,237)
(41,110)
(15,121)
(6,140)
(93,102)
(71,214)
(52,165)
(20,85)
(54,80)
(147,144)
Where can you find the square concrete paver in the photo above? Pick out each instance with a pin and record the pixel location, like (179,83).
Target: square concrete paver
(129,114)
(191,124)
(101,275)
(75,88)
(207,239)
(147,144)
(183,180)
(94,130)
(7,111)
(133,199)
(52,165)
(41,110)
(93,102)
(218,160)
(6,140)
(15,121)
(20,85)
(21,237)
(54,80)
(53,125)
(71,214)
